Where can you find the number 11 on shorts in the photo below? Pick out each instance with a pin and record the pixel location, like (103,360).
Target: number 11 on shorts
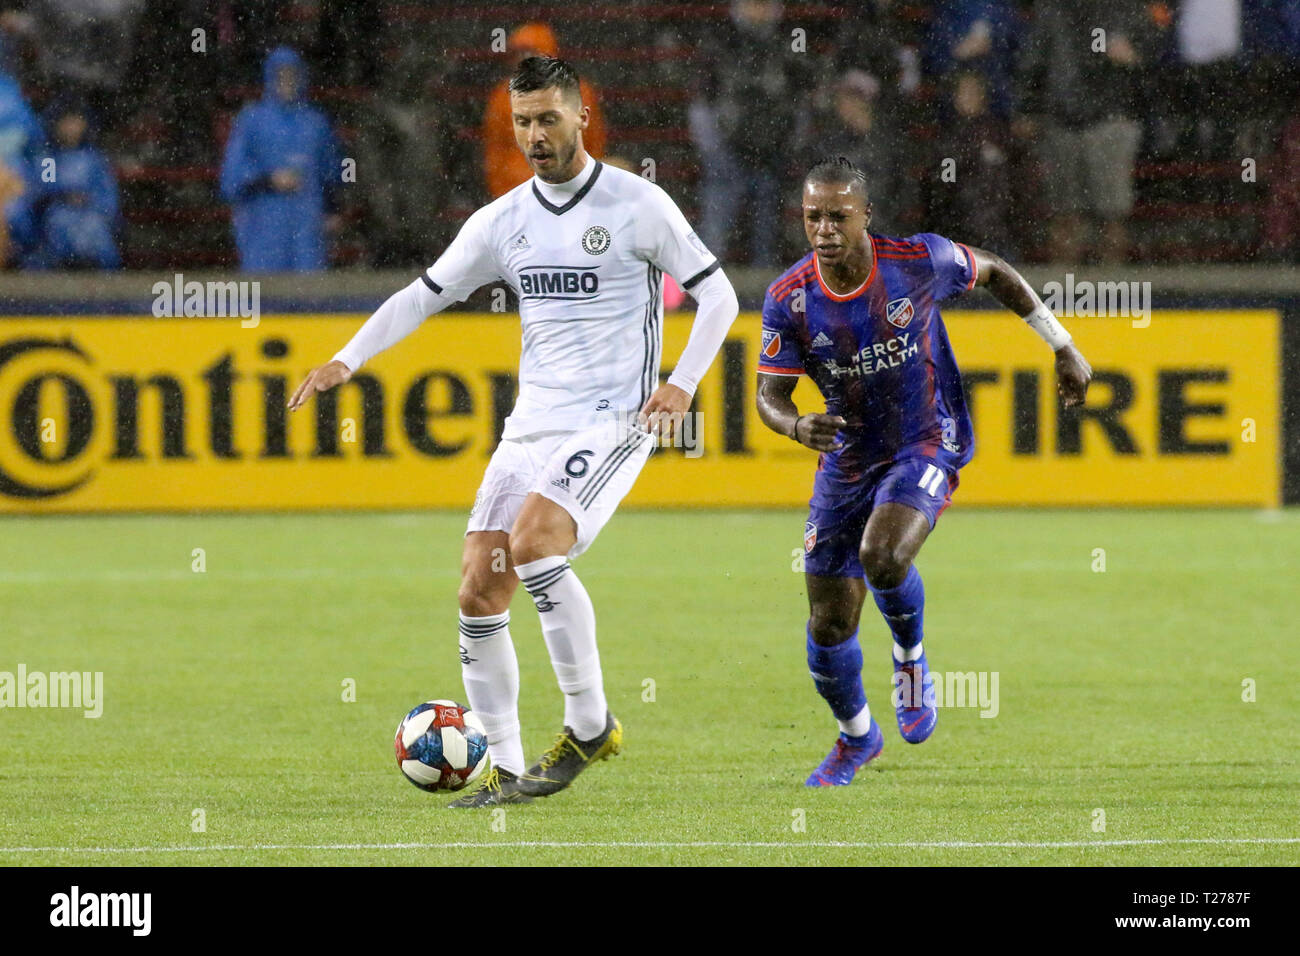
(930,479)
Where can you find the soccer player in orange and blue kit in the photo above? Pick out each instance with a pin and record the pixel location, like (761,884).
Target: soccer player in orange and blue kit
(859,316)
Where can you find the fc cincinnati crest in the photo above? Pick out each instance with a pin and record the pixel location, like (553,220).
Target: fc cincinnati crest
(771,343)
(899,312)
(596,240)
(809,537)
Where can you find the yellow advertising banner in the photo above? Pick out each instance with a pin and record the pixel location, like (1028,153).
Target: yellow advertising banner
(144,414)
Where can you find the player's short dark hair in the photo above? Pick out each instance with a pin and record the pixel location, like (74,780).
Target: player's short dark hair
(837,171)
(542,73)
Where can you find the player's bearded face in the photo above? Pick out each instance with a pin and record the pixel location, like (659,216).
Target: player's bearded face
(548,129)
(835,221)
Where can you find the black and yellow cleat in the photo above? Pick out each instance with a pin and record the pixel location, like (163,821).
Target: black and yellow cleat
(498,787)
(568,757)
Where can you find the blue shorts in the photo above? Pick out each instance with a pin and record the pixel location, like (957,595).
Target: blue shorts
(839,509)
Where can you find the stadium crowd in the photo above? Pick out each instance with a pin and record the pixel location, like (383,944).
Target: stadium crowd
(1046,130)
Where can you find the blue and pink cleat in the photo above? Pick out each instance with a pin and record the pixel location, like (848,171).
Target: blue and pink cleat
(914,699)
(847,757)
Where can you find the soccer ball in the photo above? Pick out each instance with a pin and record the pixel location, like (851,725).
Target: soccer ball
(441,746)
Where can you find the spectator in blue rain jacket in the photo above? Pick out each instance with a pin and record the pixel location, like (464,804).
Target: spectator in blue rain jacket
(975,35)
(281,169)
(75,203)
(21,143)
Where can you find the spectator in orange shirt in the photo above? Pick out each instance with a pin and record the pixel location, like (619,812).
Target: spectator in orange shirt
(504,166)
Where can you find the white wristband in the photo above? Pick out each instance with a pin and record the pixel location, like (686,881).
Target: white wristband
(1048,327)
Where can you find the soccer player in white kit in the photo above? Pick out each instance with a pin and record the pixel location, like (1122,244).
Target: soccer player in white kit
(584,246)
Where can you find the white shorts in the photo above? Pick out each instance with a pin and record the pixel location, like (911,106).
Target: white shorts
(587,473)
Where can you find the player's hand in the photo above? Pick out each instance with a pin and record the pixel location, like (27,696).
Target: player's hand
(818,431)
(662,414)
(319,380)
(1073,373)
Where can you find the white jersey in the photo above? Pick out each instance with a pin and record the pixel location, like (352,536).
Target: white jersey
(586,260)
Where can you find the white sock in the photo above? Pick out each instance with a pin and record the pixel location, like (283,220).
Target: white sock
(857,725)
(569,627)
(904,654)
(491,674)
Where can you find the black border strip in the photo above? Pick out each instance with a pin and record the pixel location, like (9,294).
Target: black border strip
(1289,400)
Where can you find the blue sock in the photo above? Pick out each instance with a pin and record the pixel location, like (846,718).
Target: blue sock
(837,673)
(903,607)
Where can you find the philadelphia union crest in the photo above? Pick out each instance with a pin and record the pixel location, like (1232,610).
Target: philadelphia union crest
(596,240)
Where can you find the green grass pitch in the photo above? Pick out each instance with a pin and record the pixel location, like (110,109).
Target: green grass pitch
(1120,692)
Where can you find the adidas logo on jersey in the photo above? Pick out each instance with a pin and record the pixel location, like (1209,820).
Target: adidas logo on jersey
(561,483)
(520,243)
(822,341)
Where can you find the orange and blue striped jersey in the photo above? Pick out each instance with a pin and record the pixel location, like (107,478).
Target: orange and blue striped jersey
(880,354)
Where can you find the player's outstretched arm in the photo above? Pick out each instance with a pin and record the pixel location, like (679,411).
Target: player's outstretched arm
(465,265)
(778,412)
(397,318)
(1073,373)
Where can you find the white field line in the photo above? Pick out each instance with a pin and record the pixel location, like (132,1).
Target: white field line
(650,844)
